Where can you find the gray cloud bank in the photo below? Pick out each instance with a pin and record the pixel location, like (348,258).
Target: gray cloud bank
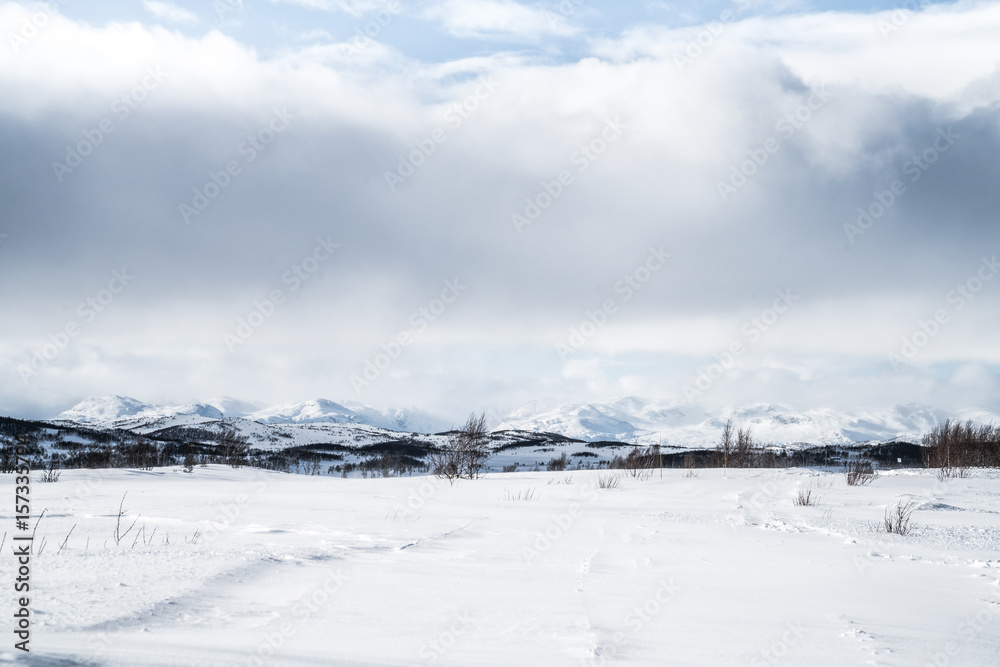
(748,165)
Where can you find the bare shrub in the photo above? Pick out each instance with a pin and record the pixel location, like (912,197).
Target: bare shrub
(609,481)
(897,519)
(527,494)
(860,471)
(804,498)
(511,468)
(689,464)
(945,473)
(557,464)
(63,545)
(118,534)
(639,463)
(50,475)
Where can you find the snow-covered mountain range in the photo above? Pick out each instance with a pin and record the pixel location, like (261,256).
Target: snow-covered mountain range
(628,419)
(690,425)
(115,410)
(112,411)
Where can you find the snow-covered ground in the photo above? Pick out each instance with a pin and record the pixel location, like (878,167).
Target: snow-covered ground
(513,569)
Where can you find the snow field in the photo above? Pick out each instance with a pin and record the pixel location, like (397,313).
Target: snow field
(530,568)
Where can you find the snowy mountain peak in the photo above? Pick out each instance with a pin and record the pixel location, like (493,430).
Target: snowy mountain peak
(194,410)
(116,410)
(104,409)
(315,410)
(232,407)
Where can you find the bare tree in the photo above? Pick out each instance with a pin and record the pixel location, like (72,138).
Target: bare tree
(745,454)
(466,452)
(445,463)
(474,443)
(234,446)
(954,447)
(724,451)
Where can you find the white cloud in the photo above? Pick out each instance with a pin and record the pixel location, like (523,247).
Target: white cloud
(498,19)
(168,11)
(350,7)
(315,35)
(935,52)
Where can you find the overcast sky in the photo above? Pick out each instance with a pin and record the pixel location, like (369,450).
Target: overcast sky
(801,184)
